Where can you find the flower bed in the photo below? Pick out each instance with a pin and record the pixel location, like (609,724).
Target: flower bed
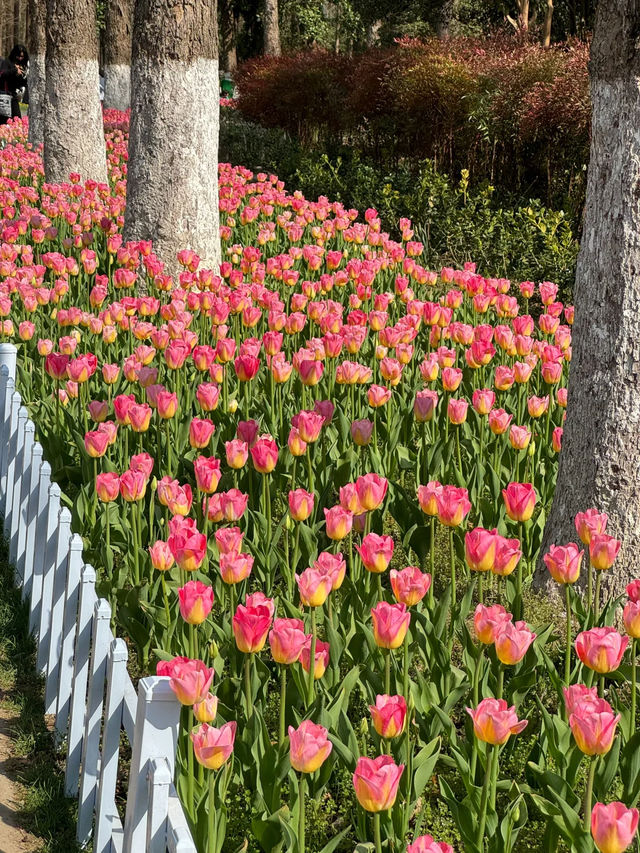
(314,488)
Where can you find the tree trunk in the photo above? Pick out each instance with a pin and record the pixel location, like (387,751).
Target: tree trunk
(172,181)
(117,54)
(271,28)
(228,33)
(546,31)
(444,16)
(600,459)
(37,48)
(73,129)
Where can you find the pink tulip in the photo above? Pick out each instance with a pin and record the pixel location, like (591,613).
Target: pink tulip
(161,557)
(564,562)
(613,827)
(426,844)
(499,421)
(424,406)
(388,715)
(264,454)
(212,747)
(206,711)
(133,485)
(108,486)
(259,599)
(235,567)
(453,505)
(590,522)
(314,586)
(576,695)
(631,618)
(309,747)
(371,490)
(480,549)
(483,400)
(508,555)
(309,425)
(200,432)
(428,497)
(376,552)
(603,550)
(301,504)
(519,501)
(338,522)
(494,722)
(229,540)
(409,585)
(207,472)
(190,681)
(361,432)
(601,649)
(333,565)
(376,782)
(237,453)
(196,601)
(593,726)
(457,411)
(390,624)
(487,622)
(188,548)
(512,641)
(286,640)
(321,661)
(250,627)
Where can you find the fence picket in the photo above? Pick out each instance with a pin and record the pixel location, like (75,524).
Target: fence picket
(48,569)
(159,782)
(16,402)
(5,435)
(39,542)
(61,563)
(25,429)
(25,492)
(63,701)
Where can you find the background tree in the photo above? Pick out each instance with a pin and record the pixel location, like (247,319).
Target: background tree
(600,459)
(172,186)
(228,35)
(37,48)
(73,129)
(117,54)
(271,28)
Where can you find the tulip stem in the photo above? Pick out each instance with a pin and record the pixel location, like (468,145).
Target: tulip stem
(432,558)
(247,685)
(283,701)
(302,791)
(212,840)
(166,601)
(596,600)
(589,584)
(458,450)
(312,657)
(167,427)
(588,794)
(405,670)
(482,818)
(567,651)
(500,689)
(387,671)
(190,776)
(632,720)
(376,832)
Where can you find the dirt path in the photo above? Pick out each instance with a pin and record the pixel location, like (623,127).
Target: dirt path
(12,838)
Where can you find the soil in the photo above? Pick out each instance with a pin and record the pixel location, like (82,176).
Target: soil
(13,839)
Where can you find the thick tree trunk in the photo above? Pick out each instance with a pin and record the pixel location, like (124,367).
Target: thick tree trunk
(172,181)
(228,36)
(271,28)
(73,129)
(117,54)
(37,48)
(444,17)
(546,30)
(600,458)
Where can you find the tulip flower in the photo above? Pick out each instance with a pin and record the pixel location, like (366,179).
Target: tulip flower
(494,722)
(590,522)
(229,540)
(390,624)
(361,432)
(426,844)
(321,657)
(376,782)
(388,715)
(200,432)
(108,486)
(207,473)
(189,549)
(300,504)
(309,747)
(453,505)
(206,711)
(161,557)
(338,522)
(601,649)
(613,827)
(576,695)
(424,406)
(428,497)
(212,747)
(564,563)
(332,565)
(235,567)
(286,640)
(519,501)
(196,601)
(264,455)
(409,585)
(376,552)
(593,726)
(508,555)
(512,641)
(487,622)
(250,627)
(371,490)
(603,550)
(314,587)
(480,549)
(190,681)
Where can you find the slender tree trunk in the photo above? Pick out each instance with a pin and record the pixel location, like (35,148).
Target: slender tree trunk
(172,181)
(271,28)
(117,54)
(600,457)
(228,35)
(37,49)
(444,16)
(73,129)
(546,31)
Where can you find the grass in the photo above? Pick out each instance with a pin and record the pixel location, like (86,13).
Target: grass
(45,811)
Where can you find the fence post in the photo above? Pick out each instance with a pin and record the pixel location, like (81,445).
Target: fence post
(5,432)
(4,377)
(8,360)
(12,439)
(159,778)
(156,735)
(26,566)
(95,699)
(18,476)
(77,702)
(39,543)
(105,799)
(74,567)
(59,577)
(23,500)
(48,567)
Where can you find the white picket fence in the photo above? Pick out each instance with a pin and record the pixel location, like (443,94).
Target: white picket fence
(87,686)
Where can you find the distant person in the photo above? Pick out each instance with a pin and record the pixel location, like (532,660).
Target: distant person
(13,80)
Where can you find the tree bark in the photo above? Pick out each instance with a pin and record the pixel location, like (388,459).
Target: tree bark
(444,16)
(172,181)
(73,129)
(228,35)
(599,463)
(117,54)
(548,19)
(271,28)
(37,48)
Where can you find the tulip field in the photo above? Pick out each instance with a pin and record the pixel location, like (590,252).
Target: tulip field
(313,485)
